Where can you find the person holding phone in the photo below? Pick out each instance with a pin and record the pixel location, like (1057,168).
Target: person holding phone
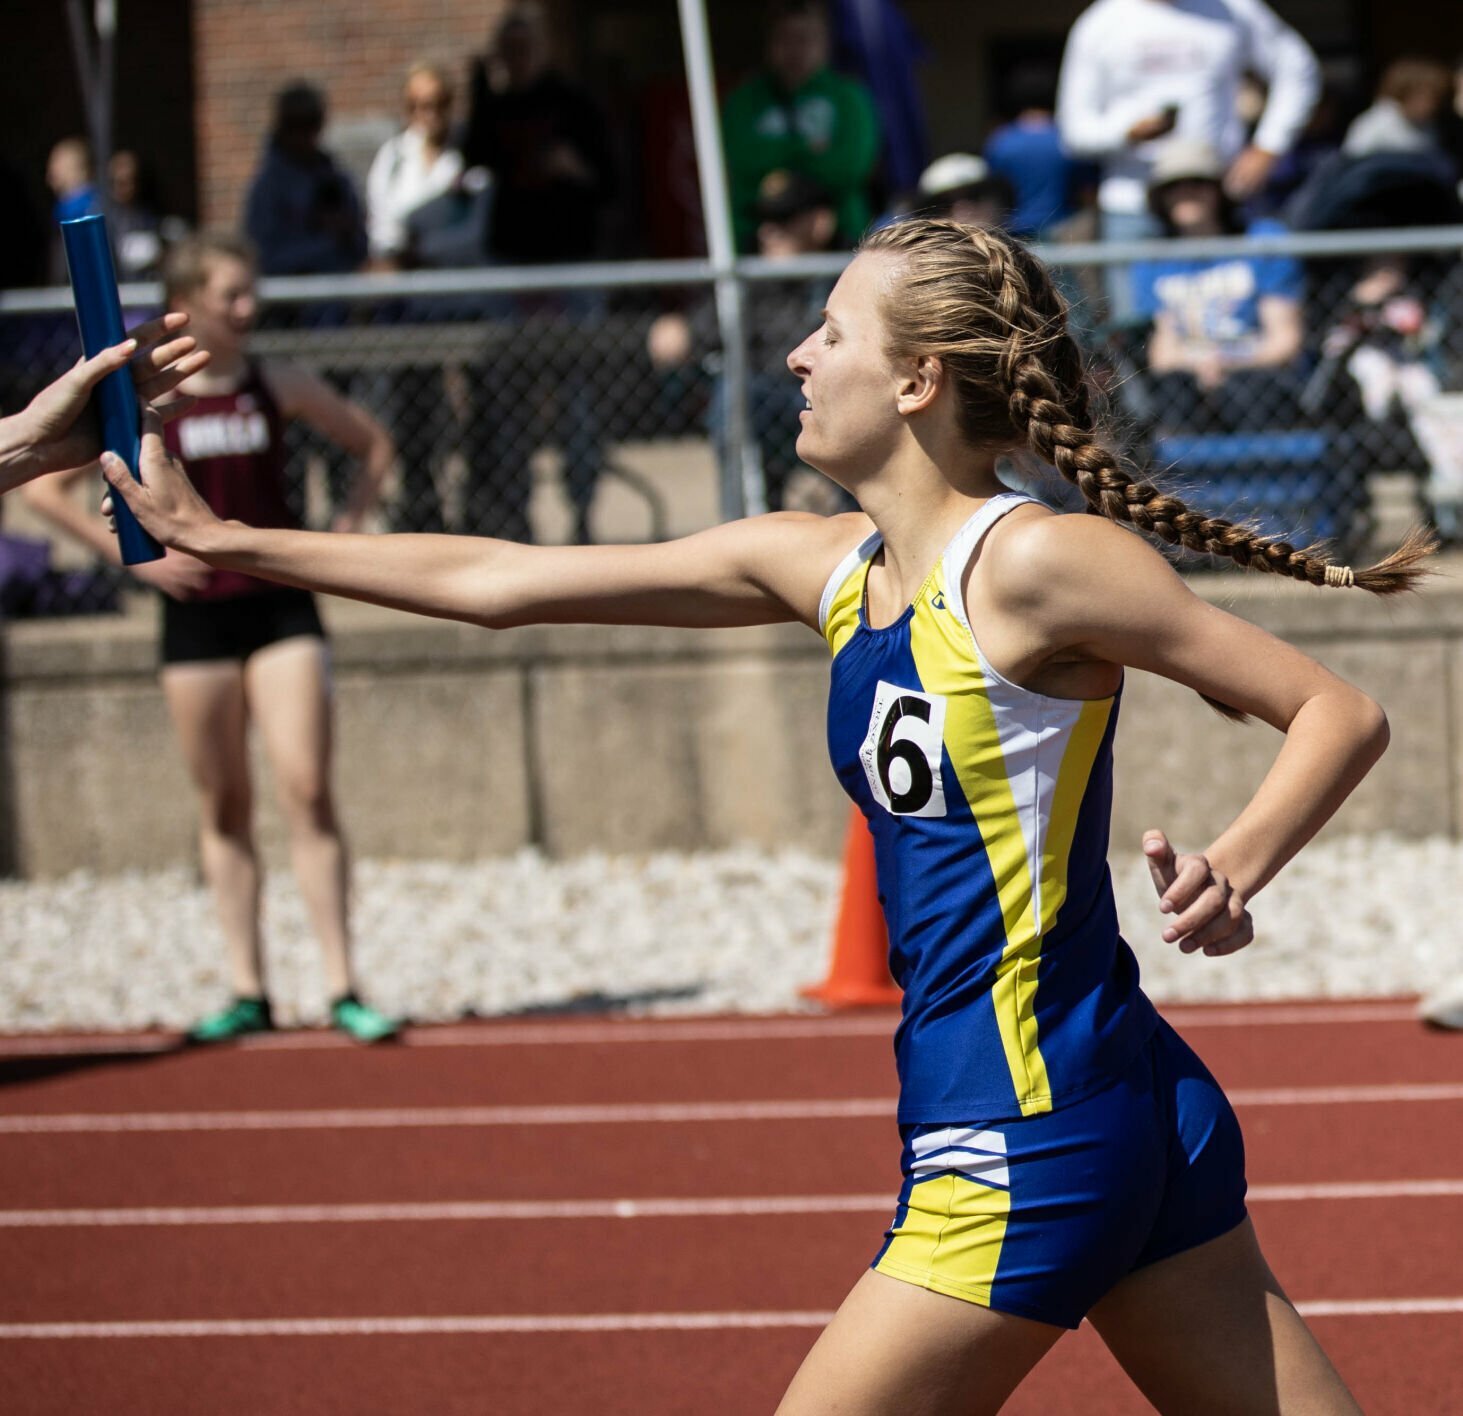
(1136,72)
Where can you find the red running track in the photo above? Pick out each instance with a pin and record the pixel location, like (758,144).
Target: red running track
(623,1217)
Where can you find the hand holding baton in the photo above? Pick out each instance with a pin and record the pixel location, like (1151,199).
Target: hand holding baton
(99,318)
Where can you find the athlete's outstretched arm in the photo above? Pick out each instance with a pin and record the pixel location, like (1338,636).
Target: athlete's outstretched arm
(1087,589)
(762,571)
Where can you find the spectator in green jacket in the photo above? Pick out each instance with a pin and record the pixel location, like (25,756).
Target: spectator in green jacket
(796,114)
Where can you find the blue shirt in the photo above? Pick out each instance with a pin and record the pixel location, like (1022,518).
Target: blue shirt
(1030,156)
(286,210)
(1217,302)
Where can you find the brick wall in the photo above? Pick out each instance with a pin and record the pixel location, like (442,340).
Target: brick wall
(357,51)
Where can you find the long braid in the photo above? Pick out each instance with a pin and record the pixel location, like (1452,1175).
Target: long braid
(1001,326)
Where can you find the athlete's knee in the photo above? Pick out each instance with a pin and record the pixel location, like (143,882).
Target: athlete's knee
(226,811)
(306,801)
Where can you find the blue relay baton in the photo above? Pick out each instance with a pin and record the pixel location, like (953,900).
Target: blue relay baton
(99,317)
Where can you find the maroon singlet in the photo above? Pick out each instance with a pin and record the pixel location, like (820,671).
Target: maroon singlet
(232,445)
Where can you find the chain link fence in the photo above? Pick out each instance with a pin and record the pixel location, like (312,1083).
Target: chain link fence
(1310,384)
(1301,382)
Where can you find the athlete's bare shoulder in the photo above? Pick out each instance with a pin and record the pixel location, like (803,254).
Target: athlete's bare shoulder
(287,383)
(277,374)
(1033,554)
(302,393)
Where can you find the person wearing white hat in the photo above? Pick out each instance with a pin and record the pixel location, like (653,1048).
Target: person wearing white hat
(963,187)
(1184,159)
(1227,332)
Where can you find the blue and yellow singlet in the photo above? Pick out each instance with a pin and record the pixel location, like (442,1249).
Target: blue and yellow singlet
(989,806)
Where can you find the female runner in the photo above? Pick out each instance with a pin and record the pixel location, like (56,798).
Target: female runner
(235,649)
(1065,1154)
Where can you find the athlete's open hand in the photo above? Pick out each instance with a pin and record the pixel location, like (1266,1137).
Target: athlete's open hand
(165,502)
(1207,912)
(58,429)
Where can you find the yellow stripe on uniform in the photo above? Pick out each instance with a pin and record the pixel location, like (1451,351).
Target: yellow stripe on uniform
(947,666)
(950,1238)
(1072,779)
(843,617)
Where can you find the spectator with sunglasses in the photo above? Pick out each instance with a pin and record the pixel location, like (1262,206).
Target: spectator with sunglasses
(416,169)
(411,169)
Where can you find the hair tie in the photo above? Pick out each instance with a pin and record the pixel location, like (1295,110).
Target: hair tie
(1340,576)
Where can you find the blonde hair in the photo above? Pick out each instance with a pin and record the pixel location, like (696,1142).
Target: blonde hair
(987,309)
(189,261)
(425,69)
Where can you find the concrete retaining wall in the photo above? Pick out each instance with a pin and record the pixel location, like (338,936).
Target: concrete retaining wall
(455,742)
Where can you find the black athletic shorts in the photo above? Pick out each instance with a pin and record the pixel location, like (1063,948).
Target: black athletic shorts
(195,631)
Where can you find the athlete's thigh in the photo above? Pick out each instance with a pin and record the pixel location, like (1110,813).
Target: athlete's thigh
(288,687)
(206,702)
(1209,1332)
(894,1349)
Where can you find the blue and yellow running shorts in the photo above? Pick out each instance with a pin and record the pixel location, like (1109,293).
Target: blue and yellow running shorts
(1043,1215)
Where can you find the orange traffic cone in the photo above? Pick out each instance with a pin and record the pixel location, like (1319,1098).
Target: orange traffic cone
(859,975)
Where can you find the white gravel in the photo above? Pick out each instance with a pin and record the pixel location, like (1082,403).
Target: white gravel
(736,930)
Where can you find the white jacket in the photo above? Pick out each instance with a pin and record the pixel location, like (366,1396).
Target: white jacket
(1127,60)
(400,180)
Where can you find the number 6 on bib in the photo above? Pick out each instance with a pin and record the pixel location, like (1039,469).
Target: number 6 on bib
(903,750)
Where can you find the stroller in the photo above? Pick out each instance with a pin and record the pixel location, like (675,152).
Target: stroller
(1382,370)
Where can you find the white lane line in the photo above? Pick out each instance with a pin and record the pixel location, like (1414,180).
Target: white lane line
(413,1327)
(1357,1190)
(649,1207)
(515,1323)
(517,1210)
(434,1116)
(751,1028)
(1345,1096)
(614,1114)
(1373,1307)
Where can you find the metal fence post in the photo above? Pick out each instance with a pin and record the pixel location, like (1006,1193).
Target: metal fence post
(743,488)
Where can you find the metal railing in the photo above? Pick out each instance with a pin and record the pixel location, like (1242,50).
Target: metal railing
(491,378)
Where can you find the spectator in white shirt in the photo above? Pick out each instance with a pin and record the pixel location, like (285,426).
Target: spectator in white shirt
(413,168)
(1137,71)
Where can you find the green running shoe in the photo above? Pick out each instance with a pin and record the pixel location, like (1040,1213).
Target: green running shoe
(241,1017)
(360,1021)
